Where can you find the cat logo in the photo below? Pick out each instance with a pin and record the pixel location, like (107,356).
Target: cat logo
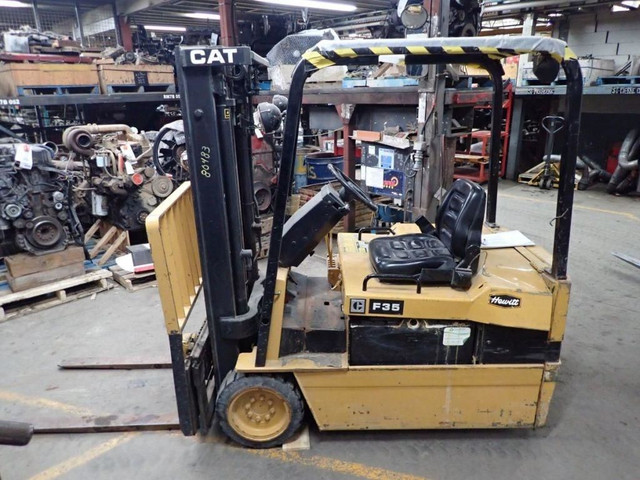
(357,305)
(209,57)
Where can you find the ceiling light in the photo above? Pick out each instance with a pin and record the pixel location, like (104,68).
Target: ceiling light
(619,8)
(555,14)
(166,28)
(202,16)
(12,3)
(337,7)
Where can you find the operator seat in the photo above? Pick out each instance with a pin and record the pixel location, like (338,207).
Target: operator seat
(446,254)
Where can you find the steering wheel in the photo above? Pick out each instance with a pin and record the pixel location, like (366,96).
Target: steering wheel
(353,188)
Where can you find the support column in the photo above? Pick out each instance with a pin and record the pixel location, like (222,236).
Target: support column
(125,32)
(79,20)
(515,138)
(36,15)
(345,111)
(528,29)
(116,24)
(227,24)
(430,146)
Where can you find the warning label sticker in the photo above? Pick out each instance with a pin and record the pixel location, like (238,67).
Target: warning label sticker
(455,336)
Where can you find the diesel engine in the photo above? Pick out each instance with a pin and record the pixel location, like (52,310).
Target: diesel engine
(119,181)
(34,204)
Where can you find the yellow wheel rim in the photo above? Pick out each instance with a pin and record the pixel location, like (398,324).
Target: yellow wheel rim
(259,414)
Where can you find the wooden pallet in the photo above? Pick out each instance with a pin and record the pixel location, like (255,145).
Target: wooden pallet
(133,281)
(111,240)
(534,175)
(52,294)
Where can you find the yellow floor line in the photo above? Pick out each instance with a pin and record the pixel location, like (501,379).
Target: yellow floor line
(83,458)
(333,465)
(628,215)
(44,402)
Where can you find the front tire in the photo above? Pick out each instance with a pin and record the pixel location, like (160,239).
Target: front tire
(259,411)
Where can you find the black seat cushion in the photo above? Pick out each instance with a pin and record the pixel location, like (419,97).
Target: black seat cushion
(408,254)
(458,227)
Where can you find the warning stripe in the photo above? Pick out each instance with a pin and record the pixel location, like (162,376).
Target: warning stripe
(326,58)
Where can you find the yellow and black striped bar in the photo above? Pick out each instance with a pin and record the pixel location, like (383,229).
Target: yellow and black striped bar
(337,52)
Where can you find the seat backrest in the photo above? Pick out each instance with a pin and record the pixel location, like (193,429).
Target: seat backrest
(459,220)
(308,225)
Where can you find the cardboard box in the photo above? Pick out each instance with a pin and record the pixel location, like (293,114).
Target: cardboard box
(366,135)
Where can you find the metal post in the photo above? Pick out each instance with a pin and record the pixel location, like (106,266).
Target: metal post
(495,70)
(36,15)
(567,170)
(200,94)
(227,24)
(515,138)
(528,28)
(79,20)
(429,180)
(116,24)
(345,111)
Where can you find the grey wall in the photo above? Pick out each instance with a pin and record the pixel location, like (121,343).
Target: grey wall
(606,35)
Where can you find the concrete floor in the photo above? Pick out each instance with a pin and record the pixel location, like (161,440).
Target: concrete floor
(593,430)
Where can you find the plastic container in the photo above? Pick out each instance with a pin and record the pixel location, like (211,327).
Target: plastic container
(299,181)
(318,167)
(390,214)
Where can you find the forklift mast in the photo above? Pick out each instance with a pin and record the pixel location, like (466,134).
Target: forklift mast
(216,87)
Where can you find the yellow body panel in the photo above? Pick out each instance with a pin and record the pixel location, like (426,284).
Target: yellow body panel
(463,396)
(345,397)
(277,312)
(503,271)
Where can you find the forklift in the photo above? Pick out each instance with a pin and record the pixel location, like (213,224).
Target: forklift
(421,328)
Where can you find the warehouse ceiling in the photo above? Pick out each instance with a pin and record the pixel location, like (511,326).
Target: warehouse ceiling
(171,12)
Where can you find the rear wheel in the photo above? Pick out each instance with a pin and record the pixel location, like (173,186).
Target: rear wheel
(259,411)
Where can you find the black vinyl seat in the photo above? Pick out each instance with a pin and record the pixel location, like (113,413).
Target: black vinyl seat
(446,254)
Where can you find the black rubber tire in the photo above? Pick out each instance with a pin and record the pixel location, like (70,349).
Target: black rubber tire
(546,183)
(235,382)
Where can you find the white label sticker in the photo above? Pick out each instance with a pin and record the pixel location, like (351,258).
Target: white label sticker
(374,177)
(129,168)
(386,157)
(362,246)
(127,151)
(24,156)
(455,336)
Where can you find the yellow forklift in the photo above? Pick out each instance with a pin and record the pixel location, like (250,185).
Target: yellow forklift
(421,329)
